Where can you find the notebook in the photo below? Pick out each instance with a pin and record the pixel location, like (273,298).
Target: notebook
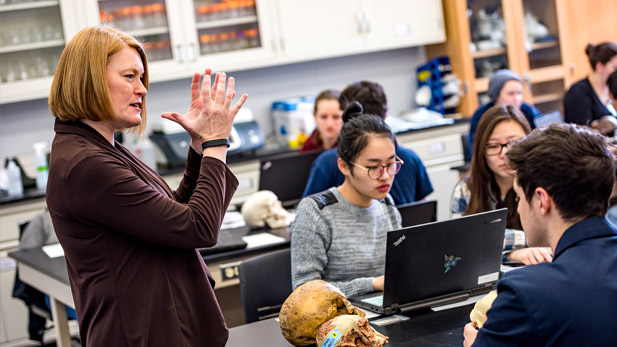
(418,212)
(286,175)
(439,263)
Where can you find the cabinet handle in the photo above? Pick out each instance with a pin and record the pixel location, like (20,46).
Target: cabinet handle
(367,23)
(180,54)
(192,52)
(527,81)
(572,68)
(360,20)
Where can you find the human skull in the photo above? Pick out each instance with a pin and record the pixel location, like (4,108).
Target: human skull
(349,330)
(478,314)
(264,207)
(308,307)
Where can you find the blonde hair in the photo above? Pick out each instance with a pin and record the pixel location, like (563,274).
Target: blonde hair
(79,89)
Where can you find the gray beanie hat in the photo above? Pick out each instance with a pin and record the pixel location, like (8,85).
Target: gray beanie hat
(498,79)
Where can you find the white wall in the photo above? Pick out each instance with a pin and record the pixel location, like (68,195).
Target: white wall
(24,123)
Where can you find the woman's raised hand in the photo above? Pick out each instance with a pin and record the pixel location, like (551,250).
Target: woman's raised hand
(210,115)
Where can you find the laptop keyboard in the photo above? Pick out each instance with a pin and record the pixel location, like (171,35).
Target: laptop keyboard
(375,300)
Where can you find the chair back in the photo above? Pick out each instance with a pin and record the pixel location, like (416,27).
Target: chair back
(265,283)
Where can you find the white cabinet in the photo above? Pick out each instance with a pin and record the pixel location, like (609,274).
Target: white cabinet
(322,28)
(32,36)
(440,149)
(185,36)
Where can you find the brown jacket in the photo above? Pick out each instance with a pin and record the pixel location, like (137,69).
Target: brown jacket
(129,242)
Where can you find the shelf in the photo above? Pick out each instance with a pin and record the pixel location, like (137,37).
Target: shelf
(149,31)
(31,46)
(543,45)
(227,22)
(547,98)
(547,74)
(481,85)
(28,5)
(488,53)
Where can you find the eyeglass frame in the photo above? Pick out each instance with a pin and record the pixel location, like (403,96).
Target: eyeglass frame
(501,146)
(382,168)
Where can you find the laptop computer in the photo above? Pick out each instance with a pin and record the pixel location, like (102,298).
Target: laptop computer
(439,263)
(286,175)
(229,240)
(418,212)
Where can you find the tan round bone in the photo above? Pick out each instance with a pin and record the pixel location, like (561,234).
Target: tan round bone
(308,307)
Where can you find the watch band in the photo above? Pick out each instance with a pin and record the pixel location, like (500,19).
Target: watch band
(216,143)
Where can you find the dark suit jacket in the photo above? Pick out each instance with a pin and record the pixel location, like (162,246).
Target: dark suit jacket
(569,302)
(129,242)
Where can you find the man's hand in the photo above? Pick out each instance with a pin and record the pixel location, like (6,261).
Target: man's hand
(469,333)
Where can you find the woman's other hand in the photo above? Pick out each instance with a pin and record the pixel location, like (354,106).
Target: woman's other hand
(210,115)
(530,256)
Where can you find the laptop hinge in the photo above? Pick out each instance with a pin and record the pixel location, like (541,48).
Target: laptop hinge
(394,308)
(443,300)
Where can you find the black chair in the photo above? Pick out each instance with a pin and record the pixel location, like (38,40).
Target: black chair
(265,283)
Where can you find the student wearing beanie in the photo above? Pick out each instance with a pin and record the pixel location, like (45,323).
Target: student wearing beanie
(504,88)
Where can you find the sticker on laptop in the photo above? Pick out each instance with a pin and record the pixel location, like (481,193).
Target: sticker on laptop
(451,262)
(488,278)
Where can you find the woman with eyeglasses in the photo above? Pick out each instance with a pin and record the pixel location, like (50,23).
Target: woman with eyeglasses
(339,235)
(489,183)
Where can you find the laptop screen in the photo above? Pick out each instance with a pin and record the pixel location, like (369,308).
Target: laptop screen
(418,212)
(286,175)
(442,258)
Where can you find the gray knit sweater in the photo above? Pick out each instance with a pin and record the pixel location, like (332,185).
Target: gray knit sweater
(338,242)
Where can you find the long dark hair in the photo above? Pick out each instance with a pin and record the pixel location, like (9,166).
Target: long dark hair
(357,130)
(481,180)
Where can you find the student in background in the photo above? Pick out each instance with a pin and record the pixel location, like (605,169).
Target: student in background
(328,120)
(563,180)
(129,240)
(339,235)
(489,183)
(412,184)
(588,100)
(504,88)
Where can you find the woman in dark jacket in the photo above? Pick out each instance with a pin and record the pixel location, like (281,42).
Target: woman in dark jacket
(129,240)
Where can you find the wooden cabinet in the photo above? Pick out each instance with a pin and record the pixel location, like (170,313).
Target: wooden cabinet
(323,28)
(546,58)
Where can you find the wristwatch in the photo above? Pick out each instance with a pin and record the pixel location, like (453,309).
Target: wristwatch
(216,143)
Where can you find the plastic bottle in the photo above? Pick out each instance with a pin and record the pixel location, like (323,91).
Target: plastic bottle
(40,163)
(16,187)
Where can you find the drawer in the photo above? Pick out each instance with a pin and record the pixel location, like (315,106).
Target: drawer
(11,215)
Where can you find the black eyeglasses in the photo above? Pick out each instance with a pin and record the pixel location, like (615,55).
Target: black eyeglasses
(497,148)
(374,172)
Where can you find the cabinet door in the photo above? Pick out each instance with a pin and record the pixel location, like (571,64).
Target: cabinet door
(228,34)
(153,22)
(543,69)
(491,45)
(320,28)
(32,36)
(393,24)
